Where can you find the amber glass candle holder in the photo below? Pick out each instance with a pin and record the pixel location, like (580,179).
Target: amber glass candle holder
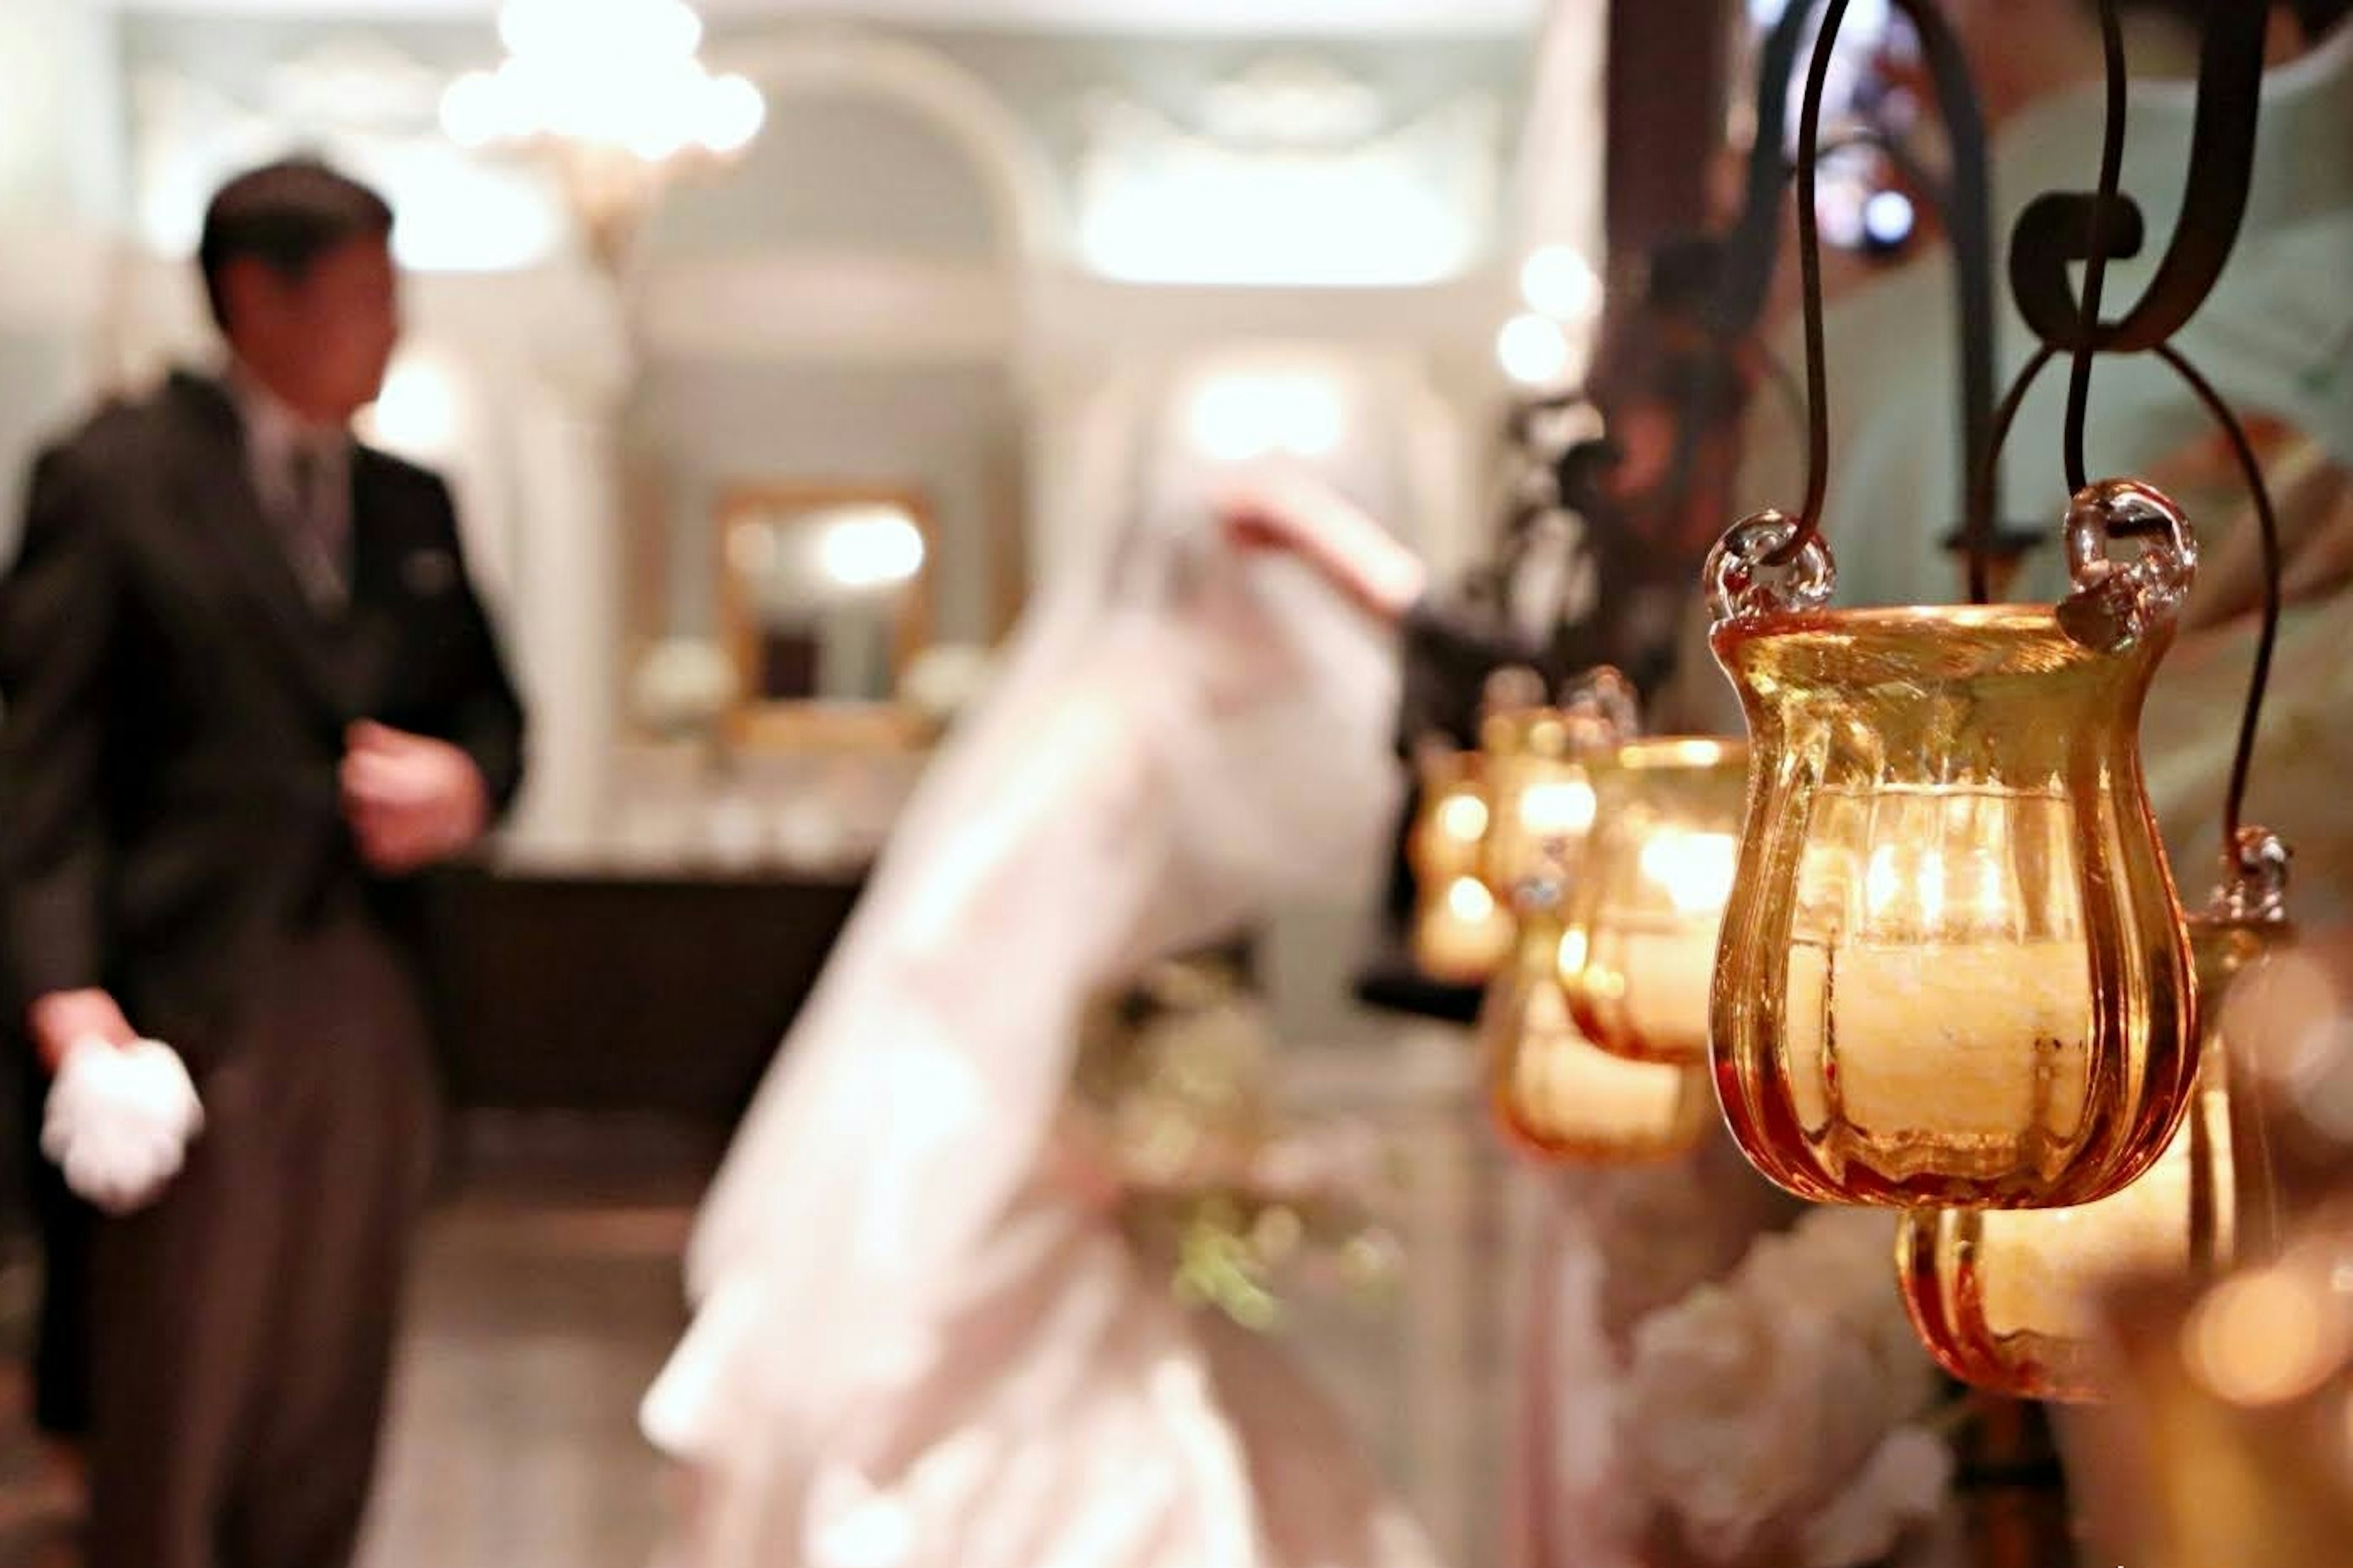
(1461,932)
(1541,791)
(1953,969)
(1643,918)
(2009,1301)
(1558,1096)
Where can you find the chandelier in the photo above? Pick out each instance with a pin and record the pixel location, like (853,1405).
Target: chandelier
(612,93)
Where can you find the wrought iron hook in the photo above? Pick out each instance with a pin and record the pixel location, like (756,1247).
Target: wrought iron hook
(2107,226)
(2054,231)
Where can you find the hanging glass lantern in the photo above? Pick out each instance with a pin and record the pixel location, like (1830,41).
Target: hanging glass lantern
(2007,1300)
(1952,968)
(1556,1094)
(1560,1096)
(1542,795)
(1643,921)
(1462,931)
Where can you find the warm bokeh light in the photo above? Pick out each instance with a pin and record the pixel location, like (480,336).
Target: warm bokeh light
(870,547)
(417,413)
(1238,417)
(1647,914)
(1558,281)
(1533,350)
(620,75)
(2264,1338)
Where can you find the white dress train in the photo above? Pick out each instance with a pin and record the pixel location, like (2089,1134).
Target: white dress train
(923,1340)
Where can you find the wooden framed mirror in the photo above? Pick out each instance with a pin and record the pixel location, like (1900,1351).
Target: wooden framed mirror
(825,595)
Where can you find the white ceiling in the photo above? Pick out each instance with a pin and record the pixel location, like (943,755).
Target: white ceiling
(1238,17)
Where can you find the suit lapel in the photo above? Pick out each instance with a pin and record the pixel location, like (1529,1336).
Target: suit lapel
(215,487)
(371,627)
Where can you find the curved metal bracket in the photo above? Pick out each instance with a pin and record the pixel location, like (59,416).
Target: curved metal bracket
(2056,231)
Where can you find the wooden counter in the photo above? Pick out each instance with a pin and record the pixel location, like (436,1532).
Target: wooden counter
(624,992)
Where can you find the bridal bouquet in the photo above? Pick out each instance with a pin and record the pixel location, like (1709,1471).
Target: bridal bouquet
(1786,1415)
(1174,1088)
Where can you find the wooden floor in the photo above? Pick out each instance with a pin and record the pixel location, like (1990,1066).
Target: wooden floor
(548,1297)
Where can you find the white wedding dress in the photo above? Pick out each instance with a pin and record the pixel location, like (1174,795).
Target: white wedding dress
(921,1340)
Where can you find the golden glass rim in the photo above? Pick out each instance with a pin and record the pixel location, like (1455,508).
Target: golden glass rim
(1526,731)
(1696,753)
(1955,641)
(2020,618)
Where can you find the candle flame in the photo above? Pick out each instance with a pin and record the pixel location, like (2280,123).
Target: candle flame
(1695,868)
(1557,807)
(1463,818)
(1468,899)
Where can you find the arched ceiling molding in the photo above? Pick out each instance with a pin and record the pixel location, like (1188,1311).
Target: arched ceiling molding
(934,86)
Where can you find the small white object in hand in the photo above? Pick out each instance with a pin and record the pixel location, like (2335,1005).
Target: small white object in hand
(119,1121)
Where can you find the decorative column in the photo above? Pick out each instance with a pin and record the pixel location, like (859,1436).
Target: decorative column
(530,372)
(565,624)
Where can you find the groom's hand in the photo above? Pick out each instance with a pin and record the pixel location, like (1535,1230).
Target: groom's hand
(63,1019)
(411,801)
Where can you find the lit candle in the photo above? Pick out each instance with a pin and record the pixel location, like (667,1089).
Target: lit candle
(1540,796)
(1464,933)
(1452,823)
(2010,1300)
(1645,921)
(1561,1096)
(1650,955)
(1543,810)
(1946,1059)
(2038,1270)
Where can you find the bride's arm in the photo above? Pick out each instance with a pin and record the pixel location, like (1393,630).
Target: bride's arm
(1447,658)
(1344,547)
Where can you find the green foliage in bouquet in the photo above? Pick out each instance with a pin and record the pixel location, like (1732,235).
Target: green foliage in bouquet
(1175,1092)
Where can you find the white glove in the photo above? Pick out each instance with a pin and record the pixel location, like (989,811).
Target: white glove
(119,1121)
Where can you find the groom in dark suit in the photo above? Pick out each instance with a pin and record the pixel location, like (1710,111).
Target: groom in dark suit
(249,694)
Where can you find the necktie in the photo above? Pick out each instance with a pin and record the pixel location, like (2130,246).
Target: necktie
(314,524)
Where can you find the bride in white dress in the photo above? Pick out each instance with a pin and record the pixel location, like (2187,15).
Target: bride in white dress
(921,1339)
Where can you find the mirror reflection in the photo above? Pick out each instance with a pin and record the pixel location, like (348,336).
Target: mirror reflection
(825,595)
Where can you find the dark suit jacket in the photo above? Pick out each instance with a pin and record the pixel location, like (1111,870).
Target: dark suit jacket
(176,706)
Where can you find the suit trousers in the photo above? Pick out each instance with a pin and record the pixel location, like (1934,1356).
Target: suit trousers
(63,1224)
(243,1327)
